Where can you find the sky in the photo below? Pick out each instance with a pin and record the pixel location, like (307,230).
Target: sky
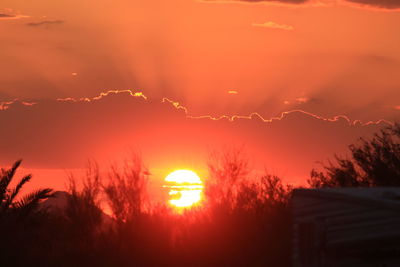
(291,81)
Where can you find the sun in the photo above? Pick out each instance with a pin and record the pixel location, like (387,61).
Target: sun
(185,188)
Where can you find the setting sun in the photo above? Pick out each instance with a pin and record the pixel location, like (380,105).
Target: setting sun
(185,188)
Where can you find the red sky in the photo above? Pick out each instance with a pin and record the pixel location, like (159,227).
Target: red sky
(298,64)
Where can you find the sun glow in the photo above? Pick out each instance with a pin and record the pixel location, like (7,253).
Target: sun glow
(185,188)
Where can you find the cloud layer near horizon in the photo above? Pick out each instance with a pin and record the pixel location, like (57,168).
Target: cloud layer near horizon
(381,4)
(387,4)
(64,133)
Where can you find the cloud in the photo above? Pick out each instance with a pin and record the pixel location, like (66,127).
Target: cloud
(64,133)
(302,100)
(274,25)
(7,104)
(6,16)
(376,4)
(382,4)
(10,14)
(45,23)
(298,101)
(260,1)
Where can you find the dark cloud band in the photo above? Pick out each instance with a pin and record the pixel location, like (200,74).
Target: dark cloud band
(63,133)
(281,1)
(6,16)
(386,4)
(381,4)
(45,22)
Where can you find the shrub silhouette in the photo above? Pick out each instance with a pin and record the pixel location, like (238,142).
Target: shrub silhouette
(126,190)
(82,217)
(246,223)
(249,216)
(374,162)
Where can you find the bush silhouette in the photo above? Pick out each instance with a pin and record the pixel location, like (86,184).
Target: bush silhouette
(249,215)
(374,162)
(246,223)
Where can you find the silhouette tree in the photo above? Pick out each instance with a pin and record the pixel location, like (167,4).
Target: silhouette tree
(20,219)
(249,214)
(228,170)
(27,203)
(374,162)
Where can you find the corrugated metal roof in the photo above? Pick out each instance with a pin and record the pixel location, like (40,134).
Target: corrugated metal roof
(379,197)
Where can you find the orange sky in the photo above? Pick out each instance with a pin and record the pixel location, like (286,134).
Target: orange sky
(321,57)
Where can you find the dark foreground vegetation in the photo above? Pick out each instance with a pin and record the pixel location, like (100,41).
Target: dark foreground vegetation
(245,221)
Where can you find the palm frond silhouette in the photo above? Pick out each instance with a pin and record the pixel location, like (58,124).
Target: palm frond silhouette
(8,196)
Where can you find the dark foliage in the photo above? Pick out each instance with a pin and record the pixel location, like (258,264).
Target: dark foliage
(8,203)
(244,221)
(374,162)
(249,216)
(20,219)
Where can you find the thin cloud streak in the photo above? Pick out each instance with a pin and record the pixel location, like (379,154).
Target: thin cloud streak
(7,104)
(12,17)
(11,14)
(178,106)
(45,23)
(274,25)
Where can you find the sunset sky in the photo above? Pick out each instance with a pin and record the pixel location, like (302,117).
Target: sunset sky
(291,81)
